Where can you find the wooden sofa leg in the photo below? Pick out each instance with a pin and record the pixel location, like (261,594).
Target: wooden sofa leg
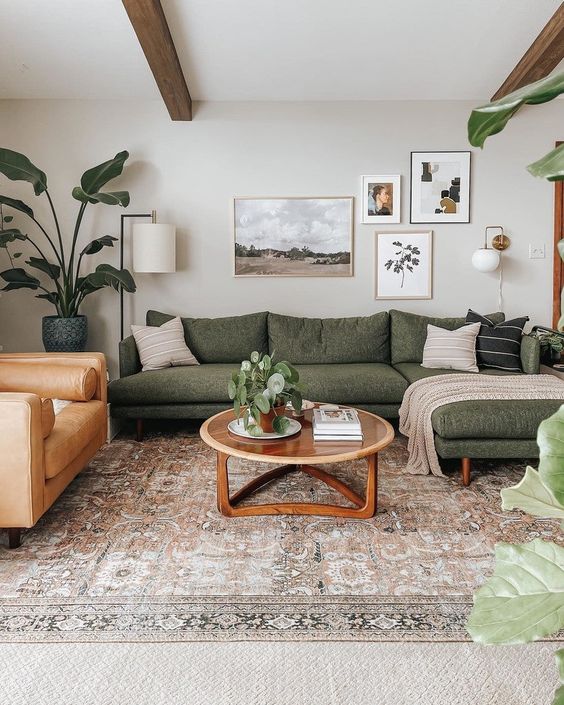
(466,469)
(14,538)
(139,430)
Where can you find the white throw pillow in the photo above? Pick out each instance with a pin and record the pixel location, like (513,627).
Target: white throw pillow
(163,346)
(451,349)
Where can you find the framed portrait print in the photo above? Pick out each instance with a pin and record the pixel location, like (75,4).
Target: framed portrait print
(440,187)
(381,199)
(404,265)
(293,237)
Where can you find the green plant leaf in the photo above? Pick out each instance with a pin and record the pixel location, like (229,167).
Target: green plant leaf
(551,166)
(237,408)
(52,270)
(532,496)
(283,369)
(96,245)
(98,176)
(7,236)
(231,389)
(559,694)
(18,278)
(17,167)
(254,429)
(281,424)
(8,218)
(276,383)
(16,205)
(255,412)
(524,598)
(296,398)
(491,118)
(550,439)
(106,275)
(262,403)
(110,198)
(243,395)
(52,297)
(15,255)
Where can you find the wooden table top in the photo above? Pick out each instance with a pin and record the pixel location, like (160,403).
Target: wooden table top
(301,448)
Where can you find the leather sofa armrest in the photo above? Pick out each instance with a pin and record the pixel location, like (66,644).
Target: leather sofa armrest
(530,354)
(81,360)
(21,460)
(129,362)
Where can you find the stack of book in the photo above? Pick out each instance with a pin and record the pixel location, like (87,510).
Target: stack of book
(336,425)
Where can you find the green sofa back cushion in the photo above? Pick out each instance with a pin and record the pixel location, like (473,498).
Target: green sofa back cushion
(230,339)
(409,332)
(310,341)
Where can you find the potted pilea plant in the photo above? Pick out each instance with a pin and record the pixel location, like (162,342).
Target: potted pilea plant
(260,390)
(66,286)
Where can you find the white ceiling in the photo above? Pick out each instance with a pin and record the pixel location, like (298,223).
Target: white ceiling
(272,49)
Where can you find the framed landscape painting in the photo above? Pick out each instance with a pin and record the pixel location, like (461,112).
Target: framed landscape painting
(293,237)
(404,265)
(440,187)
(381,199)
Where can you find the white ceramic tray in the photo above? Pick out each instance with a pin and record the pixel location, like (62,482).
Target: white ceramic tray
(238,429)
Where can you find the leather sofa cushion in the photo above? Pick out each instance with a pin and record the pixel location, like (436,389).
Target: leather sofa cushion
(494,418)
(314,341)
(368,383)
(409,332)
(73,382)
(75,427)
(47,416)
(217,340)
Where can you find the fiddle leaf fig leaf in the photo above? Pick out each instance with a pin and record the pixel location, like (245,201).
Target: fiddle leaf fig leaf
(491,118)
(97,177)
(532,496)
(16,205)
(17,167)
(551,166)
(550,439)
(524,598)
(96,245)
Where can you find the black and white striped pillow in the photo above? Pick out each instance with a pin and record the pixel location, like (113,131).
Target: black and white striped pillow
(498,346)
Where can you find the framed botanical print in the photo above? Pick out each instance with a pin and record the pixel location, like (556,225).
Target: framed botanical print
(404,265)
(440,187)
(293,237)
(381,199)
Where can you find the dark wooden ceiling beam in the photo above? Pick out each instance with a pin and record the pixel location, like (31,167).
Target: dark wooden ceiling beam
(151,28)
(544,55)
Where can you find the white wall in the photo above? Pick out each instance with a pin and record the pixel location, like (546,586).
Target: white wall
(190,172)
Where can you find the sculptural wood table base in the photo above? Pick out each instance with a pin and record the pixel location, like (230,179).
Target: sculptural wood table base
(297,454)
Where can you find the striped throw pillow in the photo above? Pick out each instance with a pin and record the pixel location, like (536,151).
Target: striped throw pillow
(498,346)
(451,349)
(162,346)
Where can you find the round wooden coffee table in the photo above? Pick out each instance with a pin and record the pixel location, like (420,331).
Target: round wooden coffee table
(297,453)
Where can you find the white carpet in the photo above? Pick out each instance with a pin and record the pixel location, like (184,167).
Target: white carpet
(266,673)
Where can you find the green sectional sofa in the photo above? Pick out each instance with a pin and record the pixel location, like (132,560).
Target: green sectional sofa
(366,362)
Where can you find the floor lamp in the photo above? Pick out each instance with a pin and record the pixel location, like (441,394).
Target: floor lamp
(154,249)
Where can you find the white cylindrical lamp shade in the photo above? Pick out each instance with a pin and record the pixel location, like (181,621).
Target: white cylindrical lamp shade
(154,247)
(486,259)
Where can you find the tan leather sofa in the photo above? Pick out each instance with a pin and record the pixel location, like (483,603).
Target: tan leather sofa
(41,453)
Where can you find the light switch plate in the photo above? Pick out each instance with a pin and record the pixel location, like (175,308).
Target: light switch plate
(536,251)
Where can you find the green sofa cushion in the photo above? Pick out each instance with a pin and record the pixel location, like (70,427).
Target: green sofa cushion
(311,341)
(409,332)
(494,418)
(217,340)
(189,384)
(358,383)
(413,371)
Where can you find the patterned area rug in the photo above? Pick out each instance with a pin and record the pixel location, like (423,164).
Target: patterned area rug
(135,549)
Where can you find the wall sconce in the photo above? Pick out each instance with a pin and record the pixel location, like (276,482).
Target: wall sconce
(487,259)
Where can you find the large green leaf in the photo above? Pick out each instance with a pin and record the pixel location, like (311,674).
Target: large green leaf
(97,177)
(551,166)
(111,198)
(524,598)
(550,439)
(96,245)
(10,235)
(491,118)
(262,403)
(18,278)
(52,270)
(17,205)
(281,424)
(532,496)
(559,695)
(52,297)
(106,275)
(17,167)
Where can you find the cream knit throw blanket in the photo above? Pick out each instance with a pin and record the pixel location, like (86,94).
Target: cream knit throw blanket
(426,395)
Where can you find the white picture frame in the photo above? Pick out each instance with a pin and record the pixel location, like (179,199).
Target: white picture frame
(440,187)
(404,265)
(295,236)
(390,184)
